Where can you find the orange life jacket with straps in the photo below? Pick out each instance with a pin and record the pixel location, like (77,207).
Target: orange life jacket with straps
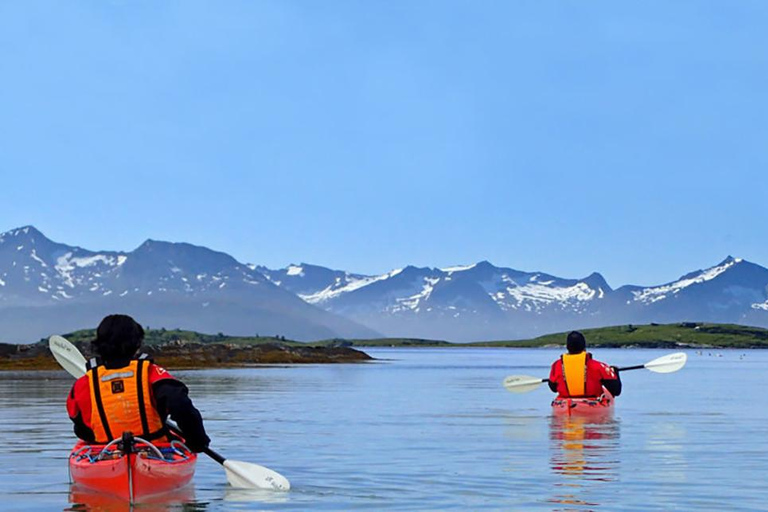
(121,401)
(575,373)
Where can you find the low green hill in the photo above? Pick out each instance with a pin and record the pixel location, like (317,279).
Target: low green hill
(685,334)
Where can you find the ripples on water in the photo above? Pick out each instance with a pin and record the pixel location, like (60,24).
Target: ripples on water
(432,429)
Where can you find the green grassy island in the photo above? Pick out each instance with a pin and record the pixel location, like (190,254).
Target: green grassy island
(678,335)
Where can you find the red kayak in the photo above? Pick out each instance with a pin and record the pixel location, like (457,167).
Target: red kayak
(584,406)
(143,470)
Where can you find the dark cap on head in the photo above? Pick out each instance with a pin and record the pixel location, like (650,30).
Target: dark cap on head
(576,343)
(117,337)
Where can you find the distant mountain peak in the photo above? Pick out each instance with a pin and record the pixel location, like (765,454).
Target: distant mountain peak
(653,294)
(596,280)
(28,231)
(729,260)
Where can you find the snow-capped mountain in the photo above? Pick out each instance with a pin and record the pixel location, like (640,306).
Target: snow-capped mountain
(478,301)
(305,280)
(48,287)
(482,301)
(733,291)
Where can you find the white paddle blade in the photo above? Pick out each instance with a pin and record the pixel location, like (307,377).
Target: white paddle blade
(521,383)
(668,364)
(244,475)
(67,355)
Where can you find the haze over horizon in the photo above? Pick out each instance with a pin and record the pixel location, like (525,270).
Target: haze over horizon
(566,139)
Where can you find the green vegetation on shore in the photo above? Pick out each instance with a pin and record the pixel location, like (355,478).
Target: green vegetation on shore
(679,335)
(163,336)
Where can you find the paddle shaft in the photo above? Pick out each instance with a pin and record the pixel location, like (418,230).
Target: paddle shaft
(626,368)
(212,454)
(623,369)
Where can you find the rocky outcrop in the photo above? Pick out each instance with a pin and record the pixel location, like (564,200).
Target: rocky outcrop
(180,354)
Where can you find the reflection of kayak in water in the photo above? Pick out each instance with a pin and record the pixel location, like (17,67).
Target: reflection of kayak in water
(584,446)
(83,498)
(587,406)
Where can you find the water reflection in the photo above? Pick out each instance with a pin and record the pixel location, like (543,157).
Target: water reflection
(254,496)
(584,450)
(180,500)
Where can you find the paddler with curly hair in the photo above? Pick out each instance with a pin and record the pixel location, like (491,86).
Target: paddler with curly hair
(576,374)
(123,391)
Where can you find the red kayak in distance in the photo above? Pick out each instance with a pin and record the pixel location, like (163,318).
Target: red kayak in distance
(585,406)
(142,471)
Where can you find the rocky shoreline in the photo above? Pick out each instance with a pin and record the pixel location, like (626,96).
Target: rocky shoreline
(181,354)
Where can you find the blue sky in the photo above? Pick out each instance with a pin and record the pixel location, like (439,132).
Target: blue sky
(566,137)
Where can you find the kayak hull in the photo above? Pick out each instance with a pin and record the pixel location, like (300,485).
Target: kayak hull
(588,406)
(129,477)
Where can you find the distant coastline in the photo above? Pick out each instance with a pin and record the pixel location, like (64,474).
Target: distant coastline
(694,335)
(178,349)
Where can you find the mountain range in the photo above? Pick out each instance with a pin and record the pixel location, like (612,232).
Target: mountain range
(48,287)
(485,302)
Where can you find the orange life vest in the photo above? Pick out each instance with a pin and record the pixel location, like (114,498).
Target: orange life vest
(121,402)
(575,373)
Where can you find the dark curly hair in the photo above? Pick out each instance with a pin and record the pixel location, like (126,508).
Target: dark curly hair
(117,337)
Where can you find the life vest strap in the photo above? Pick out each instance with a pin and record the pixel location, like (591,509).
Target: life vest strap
(99,404)
(140,370)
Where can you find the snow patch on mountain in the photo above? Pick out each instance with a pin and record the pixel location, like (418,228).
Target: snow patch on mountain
(353,284)
(294,270)
(37,258)
(458,268)
(543,294)
(67,264)
(414,301)
(655,294)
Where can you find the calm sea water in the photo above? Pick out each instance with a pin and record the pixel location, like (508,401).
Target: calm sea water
(433,429)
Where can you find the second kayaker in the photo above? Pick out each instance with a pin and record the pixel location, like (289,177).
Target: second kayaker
(577,374)
(124,392)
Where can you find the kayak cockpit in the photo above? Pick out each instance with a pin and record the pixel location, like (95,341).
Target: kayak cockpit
(131,467)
